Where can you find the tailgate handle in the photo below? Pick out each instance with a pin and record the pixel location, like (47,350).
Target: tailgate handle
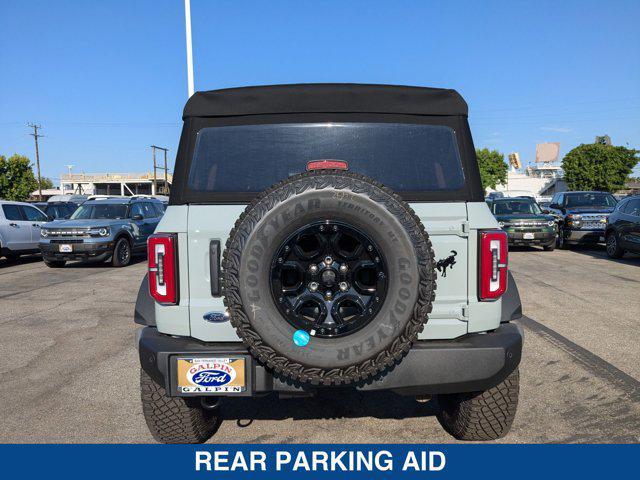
(214,265)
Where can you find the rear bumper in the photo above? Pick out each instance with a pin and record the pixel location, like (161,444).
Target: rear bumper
(80,251)
(474,362)
(577,237)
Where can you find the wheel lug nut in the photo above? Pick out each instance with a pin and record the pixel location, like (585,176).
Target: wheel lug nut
(335,228)
(313,286)
(343,286)
(377,259)
(287,248)
(328,260)
(281,299)
(344,268)
(370,248)
(321,228)
(313,269)
(280,260)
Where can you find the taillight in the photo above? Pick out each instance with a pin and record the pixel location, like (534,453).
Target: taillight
(493,264)
(163,267)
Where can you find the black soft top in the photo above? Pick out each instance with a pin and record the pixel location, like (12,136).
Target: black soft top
(325,98)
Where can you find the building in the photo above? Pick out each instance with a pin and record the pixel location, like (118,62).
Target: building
(542,180)
(125,184)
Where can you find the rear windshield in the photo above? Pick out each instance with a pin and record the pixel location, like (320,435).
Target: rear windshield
(250,158)
(102,211)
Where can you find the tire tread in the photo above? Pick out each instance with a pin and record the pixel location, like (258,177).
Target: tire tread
(172,419)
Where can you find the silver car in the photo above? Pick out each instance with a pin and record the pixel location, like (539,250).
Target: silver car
(19,228)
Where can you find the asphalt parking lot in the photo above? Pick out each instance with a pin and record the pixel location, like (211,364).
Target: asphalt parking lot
(69,368)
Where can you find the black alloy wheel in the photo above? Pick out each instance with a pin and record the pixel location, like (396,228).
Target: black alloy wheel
(329,279)
(613,246)
(121,253)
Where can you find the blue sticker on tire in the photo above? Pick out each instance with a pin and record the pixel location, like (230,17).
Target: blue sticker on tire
(300,338)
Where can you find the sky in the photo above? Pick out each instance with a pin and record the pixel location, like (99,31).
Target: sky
(107,79)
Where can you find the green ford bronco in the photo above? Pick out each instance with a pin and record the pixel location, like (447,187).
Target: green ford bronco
(325,236)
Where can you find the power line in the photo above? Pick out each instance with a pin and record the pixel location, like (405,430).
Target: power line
(35,136)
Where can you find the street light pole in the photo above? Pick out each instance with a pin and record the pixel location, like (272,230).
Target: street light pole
(187,17)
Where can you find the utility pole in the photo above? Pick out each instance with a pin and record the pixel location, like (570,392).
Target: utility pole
(156,167)
(187,19)
(35,136)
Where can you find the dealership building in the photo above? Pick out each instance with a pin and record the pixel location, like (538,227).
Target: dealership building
(124,184)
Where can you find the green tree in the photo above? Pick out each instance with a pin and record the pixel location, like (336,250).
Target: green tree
(16,178)
(46,183)
(598,167)
(493,169)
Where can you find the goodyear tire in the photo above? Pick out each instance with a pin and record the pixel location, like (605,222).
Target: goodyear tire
(345,201)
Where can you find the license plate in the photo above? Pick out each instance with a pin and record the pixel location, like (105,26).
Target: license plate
(601,239)
(65,248)
(528,236)
(211,375)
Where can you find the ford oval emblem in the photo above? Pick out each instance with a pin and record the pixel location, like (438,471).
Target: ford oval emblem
(211,378)
(216,317)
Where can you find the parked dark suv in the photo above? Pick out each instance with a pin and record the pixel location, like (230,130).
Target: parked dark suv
(57,210)
(113,228)
(524,222)
(623,228)
(582,216)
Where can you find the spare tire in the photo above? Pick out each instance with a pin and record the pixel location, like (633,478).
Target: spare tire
(329,278)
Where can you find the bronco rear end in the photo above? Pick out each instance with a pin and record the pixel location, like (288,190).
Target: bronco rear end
(321,236)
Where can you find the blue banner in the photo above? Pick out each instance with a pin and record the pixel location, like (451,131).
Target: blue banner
(318,461)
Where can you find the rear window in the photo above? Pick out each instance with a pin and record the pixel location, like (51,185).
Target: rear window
(12,212)
(250,158)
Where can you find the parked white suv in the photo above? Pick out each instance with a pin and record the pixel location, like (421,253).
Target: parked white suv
(19,228)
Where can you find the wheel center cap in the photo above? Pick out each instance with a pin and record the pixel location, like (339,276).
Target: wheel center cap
(329,278)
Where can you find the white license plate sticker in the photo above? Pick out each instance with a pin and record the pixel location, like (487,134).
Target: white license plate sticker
(602,239)
(528,236)
(65,248)
(211,375)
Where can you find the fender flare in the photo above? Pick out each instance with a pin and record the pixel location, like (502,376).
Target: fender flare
(145,310)
(511,304)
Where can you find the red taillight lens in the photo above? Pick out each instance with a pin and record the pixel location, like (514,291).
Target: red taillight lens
(163,268)
(493,264)
(327,165)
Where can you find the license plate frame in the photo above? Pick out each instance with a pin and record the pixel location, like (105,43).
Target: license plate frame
(65,248)
(210,377)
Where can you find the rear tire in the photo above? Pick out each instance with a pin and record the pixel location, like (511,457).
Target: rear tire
(175,419)
(121,253)
(613,246)
(55,263)
(484,415)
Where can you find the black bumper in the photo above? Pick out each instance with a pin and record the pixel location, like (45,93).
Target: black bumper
(474,362)
(81,251)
